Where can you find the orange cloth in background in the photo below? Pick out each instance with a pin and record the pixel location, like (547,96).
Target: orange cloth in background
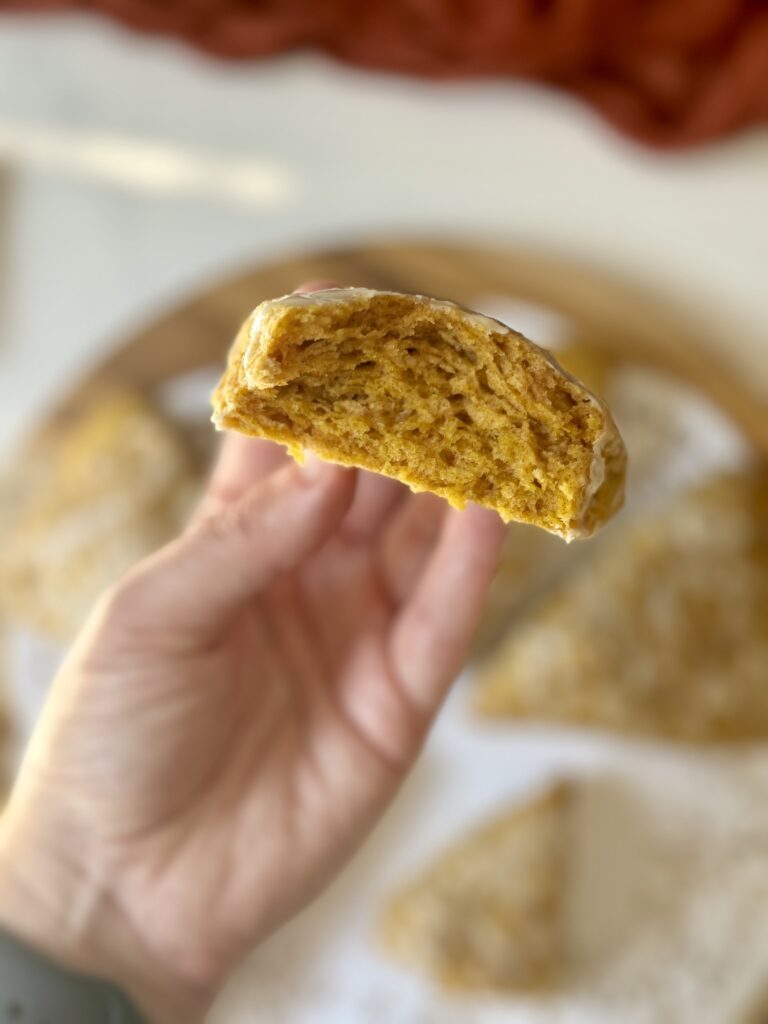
(667,72)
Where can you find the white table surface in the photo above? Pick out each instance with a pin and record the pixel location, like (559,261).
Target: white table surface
(137,171)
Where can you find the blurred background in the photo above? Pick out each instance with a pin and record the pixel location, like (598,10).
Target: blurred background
(136,169)
(594,174)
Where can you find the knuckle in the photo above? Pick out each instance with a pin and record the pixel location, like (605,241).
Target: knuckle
(218,495)
(229,524)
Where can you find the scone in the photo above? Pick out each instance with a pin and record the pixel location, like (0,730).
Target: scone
(117,485)
(488,914)
(532,560)
(650,409)
(431,394)
(664,632)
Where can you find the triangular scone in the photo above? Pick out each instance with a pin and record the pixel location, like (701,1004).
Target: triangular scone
(488,914)
(431,394)
(117,485)
(664,632)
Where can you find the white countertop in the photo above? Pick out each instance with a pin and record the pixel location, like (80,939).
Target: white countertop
(136,170)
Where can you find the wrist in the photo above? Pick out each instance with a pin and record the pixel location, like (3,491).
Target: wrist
(53,906)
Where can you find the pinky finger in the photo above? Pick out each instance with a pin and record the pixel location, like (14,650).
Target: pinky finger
(432,634)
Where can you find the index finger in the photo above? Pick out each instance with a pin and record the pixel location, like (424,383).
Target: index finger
(432,634)
(242,462)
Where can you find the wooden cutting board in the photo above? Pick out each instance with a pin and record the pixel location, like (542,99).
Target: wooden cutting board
(610,313)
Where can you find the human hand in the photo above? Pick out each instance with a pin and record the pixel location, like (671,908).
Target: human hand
(233,720)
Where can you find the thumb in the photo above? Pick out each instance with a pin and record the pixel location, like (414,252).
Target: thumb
(199,581)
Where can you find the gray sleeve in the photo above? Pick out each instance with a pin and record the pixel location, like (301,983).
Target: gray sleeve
(34,990)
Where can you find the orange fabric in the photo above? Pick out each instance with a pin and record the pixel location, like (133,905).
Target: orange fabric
(667,72)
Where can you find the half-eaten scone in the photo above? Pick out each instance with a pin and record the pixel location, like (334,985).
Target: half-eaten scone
(432,394)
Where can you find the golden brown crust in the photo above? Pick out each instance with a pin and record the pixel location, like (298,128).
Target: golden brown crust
(488,913)
(431,394)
